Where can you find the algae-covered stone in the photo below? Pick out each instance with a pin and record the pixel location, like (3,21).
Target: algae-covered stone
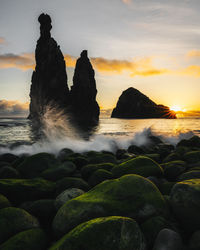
(165,187)
(131,196)
(66,196)
(8,157)
(152,227)
(87,170)
(192,156)
(4,202)
(99,157)
(155,157)
(14,220)
(118,233)
(71,182)
(34,165)
(192,142)
(98,176)
(189,175)
(194,243)
(64,154)
(172,157)
(185,202)
(8,172)
(64,170)
(173,169)
(140,165)
(31,239)
(20,190)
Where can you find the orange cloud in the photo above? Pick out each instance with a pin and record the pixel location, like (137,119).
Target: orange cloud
(2,40)
(193,53)
(127,1)
(13,108)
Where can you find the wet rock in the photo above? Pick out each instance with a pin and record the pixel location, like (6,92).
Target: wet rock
(98,176)
(99,157)
(173,169)
(9,158)
(30,239)
(192,157)
(189,175)
(8,172)
(67,195)
(194,243)
(133,104)
(140,165)
(104,233)
(192,142)
(135,149)
(172,157)
(168,240)
(4,202)
(64,154)
(131,195)
(14,220)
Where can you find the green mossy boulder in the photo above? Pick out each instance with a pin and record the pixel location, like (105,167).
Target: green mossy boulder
(71,182)
(80,161)
(165,187)
(185,202)
(4,202)
(117,233)
(14,220)
(32,239)
(173,169)
(87,170)
(140,165)
(131,196)
(192,157)
(20,190)
(64,154)
(8,172)
(34,165)
(66,169)
(99,157)
(192,142)
(98,176)
(152,227)
(155,157)
(189,175)
(43,210)
(8,157)
(172,157)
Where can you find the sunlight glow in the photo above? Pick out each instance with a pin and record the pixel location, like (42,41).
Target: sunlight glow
(177,108)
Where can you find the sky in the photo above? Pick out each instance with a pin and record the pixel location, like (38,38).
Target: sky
(151,45)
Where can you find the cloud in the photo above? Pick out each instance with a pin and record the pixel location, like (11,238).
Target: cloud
(24,61)
(127,1)
(14,108)
(2,40)
(193,53)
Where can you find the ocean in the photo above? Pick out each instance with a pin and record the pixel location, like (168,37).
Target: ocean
(16,135)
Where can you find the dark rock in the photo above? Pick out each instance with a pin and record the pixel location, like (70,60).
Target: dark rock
(135,149)
(64,154)
(192,142)
(168,240)
(98,176)
(8,158)
(189,175)
(107,233)
(83,92)
(172,157)
(30,239)
(133,104)
(194,243)
(192,157)
(49,80)
(4,202)
(173,169)
(99,157)
(8,172)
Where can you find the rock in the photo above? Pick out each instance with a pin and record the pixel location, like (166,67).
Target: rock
(189,175)
(80,161)
(67,195)
(165,187)
(64,154)
(98,176)
(192,156)
(192,142)
(185,202)
(133,104)
(104,234)
(152,227)
(31,239)
(135,149)
(168,240)
(9,158)
(43,210)
(194,243)
(98,157)
(123,154)
(171,157)
(34,165)
(83,92)
(131,195)
(88,170)
(66,169)
(49,88)
(4,202)
(173,169)
(71,182)
(155,157)
(14,220)
(8,172)
(140,165)
(20,190)
(164,150)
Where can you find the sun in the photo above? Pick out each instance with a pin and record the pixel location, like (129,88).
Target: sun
(177,108)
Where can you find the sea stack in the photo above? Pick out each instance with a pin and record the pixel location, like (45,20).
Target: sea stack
(133,104)
(83,92)
(49,80)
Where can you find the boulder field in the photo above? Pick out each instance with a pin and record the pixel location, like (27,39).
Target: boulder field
(140,198)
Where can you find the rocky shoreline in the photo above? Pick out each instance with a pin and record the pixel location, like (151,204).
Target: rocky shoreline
(142,198)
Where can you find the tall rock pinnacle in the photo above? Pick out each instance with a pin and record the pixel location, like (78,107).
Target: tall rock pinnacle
(49,80)
(83,92)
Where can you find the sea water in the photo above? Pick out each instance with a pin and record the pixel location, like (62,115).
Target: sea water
(16,135)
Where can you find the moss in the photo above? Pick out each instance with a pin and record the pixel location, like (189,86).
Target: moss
(171,157)
(103,233)
(166,187)
(8,172)
(34,165)
(31,239)
(14,220)
(192,156)
(141,165)
(185,202)
(20,190)
(99,157)
(190,175)
(173,169)
(87,171)
(71,182)
(98,176)
(4,202)
(155,157)
(131,196)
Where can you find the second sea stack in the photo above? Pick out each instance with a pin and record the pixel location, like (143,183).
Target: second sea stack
(133,104)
